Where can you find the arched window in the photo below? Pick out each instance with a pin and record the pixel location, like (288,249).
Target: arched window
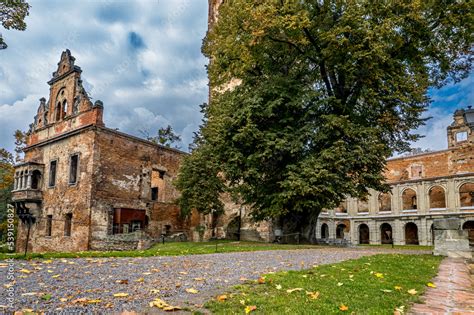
(35,179)
(469,226)
(58,111)
(324,231)
(364,234)
(409,199)
(386,233)
(411,234)
(340,230)
(437,197)
(466,195)
(385,202)
(64,108)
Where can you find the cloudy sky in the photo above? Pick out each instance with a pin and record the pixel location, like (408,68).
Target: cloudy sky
(143,60)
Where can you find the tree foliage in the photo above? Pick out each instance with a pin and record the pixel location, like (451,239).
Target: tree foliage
(327,90)
(165,136)
(12,16)
(20,144)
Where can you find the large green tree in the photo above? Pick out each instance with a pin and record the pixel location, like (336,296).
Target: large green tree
(322,93)
(12,16)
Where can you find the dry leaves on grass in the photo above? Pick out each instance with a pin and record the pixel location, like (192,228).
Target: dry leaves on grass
(343,307)
(312,295)
(431,285)
(261,280)
(250,308)
(222,298)
(412,291)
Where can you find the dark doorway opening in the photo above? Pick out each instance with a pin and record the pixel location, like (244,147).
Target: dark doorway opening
(364,234)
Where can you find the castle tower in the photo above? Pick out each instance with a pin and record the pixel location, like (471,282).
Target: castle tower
(68,108)
(461,131)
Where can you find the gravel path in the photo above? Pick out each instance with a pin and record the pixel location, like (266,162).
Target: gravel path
(88,285)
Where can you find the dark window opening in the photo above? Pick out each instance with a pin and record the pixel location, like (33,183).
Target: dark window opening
(35,179)
(167,229)
(128,220)
(68,225)
(161,174)
(154,193)
(64,108)
(49,225)
(73,169)
(52,173)
(58,111)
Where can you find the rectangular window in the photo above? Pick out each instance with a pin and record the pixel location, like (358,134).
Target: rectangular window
(68,224)
(49,225)
(461,136)
(73,167)
(154,193)
(52,173)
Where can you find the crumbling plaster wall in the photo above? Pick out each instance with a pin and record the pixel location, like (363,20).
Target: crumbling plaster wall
(63,198)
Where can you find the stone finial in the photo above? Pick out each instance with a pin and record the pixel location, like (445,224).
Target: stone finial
(98,103)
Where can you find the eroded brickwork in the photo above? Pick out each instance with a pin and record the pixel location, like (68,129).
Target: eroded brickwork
(83,186)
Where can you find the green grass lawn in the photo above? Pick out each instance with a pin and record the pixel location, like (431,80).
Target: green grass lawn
(389,246)
(371,285)
(169,249)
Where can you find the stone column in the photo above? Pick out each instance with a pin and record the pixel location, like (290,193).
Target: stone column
(422,232)
(398,234)
(28,183)
(374,232)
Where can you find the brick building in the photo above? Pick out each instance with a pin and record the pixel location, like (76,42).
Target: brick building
(424,187)
(84,186)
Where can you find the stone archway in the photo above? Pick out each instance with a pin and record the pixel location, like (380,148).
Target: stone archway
(469,226)
(324,231)
(232,229)
(386,234)
(411,234)
(364,234)
(340,230)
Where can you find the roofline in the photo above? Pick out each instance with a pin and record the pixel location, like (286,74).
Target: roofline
(144,141)
(95,127)
(418,155)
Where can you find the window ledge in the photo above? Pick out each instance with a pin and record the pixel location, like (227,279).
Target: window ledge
(438,209)
(341,213)
(410,210)
(467,208)
(363,213)
(385,212)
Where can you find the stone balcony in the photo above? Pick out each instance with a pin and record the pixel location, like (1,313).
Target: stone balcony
(27,195)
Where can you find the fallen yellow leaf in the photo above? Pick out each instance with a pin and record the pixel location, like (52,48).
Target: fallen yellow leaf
(192,290)
(56,276)
(222,297)
(398,288)
(278,287)
(250,308)
(261,280)
(293,290)
(340,284)
(379,275)
(171,308)
(431,285)
(412,291)
(120,294)
(312,295)
(93,301)
(25,271)
(343,307)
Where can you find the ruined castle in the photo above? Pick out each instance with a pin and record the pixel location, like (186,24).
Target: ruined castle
(83,186)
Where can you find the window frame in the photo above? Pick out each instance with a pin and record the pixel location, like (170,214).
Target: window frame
(77,168)
(56,161)
(68,224)
(49,225)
